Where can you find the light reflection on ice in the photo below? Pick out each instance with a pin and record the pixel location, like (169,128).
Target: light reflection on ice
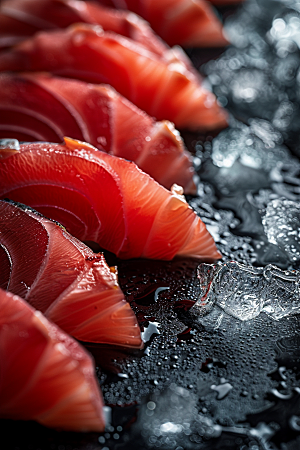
(171,420)
(259,75)
(285,29)
(258,146)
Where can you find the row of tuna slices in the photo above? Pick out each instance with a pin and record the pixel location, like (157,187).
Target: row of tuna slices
(21,19)
(30,191)
(29,108)
(41,107)
(181,22)
(63,278)
(88,53)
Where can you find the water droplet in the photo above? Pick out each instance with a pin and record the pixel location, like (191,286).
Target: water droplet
(222,390)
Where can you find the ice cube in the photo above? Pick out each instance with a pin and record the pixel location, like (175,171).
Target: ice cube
(286,180)
(243,292)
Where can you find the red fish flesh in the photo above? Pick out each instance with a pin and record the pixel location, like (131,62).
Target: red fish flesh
(45,108)
(45,375)
(60,276)
(189,23)
(20,19)
(102,198)
(88,53)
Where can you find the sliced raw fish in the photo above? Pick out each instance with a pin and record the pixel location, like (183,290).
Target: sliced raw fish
(189,23)
(20,19)
(40,107)
(63,278)
(45,374)
(88,53)
(102,198)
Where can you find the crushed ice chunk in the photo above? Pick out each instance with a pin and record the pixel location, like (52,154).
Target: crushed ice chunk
(286,179)
(244,292)
(286,69)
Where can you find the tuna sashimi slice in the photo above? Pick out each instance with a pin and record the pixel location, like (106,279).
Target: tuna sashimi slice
(88,53)
(41,107)
(189,23)
(102,198)
(20,19)
(45,375)
(64,279)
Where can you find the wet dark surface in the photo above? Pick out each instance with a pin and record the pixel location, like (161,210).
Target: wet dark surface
(235,386)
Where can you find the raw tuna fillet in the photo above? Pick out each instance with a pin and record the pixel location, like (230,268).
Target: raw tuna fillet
(189,23)
(45,375)
(20,19)
(44,108)
(102,198)
(64,279)
(88,53)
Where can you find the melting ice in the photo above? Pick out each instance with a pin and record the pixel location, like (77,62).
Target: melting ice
(244,292)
